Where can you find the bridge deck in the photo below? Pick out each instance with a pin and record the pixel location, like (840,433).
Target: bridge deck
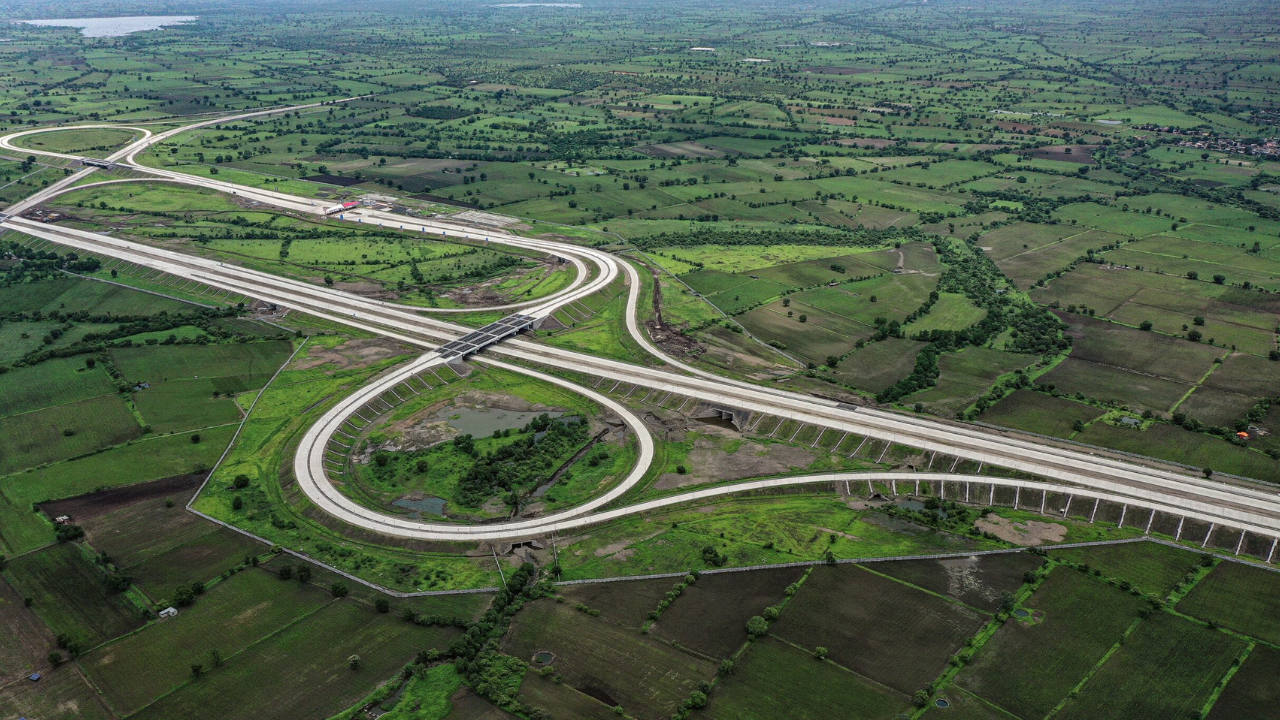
(477,340)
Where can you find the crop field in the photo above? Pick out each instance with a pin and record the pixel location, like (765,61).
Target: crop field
(181,405)
(74,597)
(1183,446)
(1232,316)
(65,431)
(879,365)
(619,667)
(56,382)
(62,694)
(229,618)
(1252,691)
(197,560)
(147,459)
(1119,346)
(952,312)
(1029,266)
(1239,597)
(236,367)
(1167,668)
(978,581)
(1113,385)
(710,617)
(1028,670)
(965,376)
(308,663)
(884,630)
(626,603)
(774,679)
(25,641)
(557,699)
(1152,567)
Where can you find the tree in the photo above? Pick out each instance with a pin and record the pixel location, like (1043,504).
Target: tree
(804,318)
(1194,336)
(757,626)
(237,503)
(55,658)
(328,280)
(241,482)
(353,662)
(195,439)
(196,670)
(820,652)
(339,589)
(697,699)
(1220,279)
(215,657)
(1198,320)
(1078,426)
(832,361)
(286,572)
(304,574)
(1146,325)
(1193,275)
(382,604)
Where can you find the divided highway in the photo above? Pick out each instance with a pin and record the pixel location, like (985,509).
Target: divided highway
(1252,508)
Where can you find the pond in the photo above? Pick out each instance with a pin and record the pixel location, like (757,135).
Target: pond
(481,422)
(1020,613)
(544,658)
(114,26)
(428,505)
(918,506)
(942,703)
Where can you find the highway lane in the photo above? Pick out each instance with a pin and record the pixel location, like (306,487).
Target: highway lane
(1240,505)
(1228,504)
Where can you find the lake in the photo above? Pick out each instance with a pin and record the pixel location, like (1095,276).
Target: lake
(114,26)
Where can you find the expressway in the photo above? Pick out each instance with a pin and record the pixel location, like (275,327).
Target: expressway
(1243,507)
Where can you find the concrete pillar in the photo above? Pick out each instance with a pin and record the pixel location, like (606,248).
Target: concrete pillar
(1124,510)
(1017,496)
(1208,535)
(1094,514)
(1044,499)
(1240,544)
(1067,509)
(1147,529)
(992,499)
(1178,535)
(1272,554)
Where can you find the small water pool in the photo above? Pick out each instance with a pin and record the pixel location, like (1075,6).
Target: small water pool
(544,658)
(941,703)
(1020,613)
(428,505)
